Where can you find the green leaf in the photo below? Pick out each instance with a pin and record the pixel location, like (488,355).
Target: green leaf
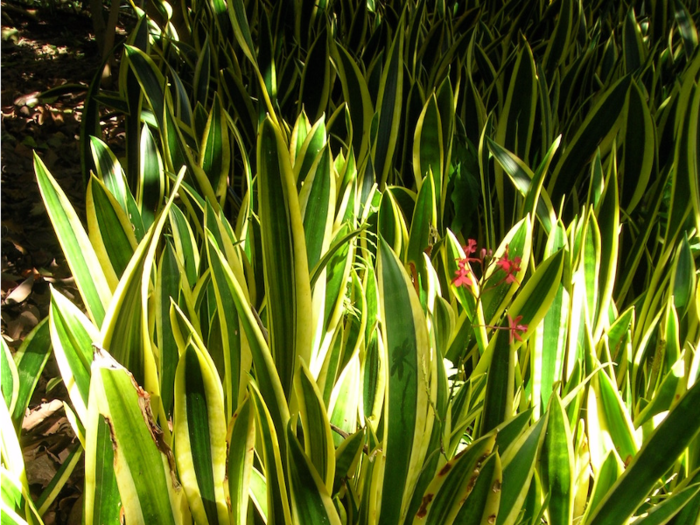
(389,110)
(317,201)
(424,219)
(558,464)
(72,337)
(318,439)
(30,359)
(518,467)
(81,257)
(285,262)
(200,435)
(599,126)
(10,378)
(277,499)
(356,95)
(125,329)
(311,501)
(668,508)
(483,502)
(659,452)
(406,412)
(265,371)
(138,446)
(215,151)
(453,483)
(239,464)
(110,231)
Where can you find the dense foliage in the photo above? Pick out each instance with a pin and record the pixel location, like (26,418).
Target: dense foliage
(367,262)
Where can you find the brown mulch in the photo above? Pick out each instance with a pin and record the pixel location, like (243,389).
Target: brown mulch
(42,47)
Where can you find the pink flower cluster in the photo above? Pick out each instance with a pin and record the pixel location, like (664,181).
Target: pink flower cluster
(511,268)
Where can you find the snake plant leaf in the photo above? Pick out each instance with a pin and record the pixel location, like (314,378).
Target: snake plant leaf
(72,336)
(150,79)
(599,127)
(406,412)
(215,151)
(518,468)
(16,504)
(318,439)
(639,147)
(684,278)
(614,417)
(558,464)
(428,145)
(345,397)
(311,501)
(548,347)
(348,454)
(258,493)
(531,305)
(317,201)
(607,473)
(670,507)
(686,153)
(150,189)
(110,171)
(453,483)
(268,381)
(657,454)
(125,331)
(241,28)
(236,359)
(390,222)
(389,109)
(308,151)
(202,74)
(633,48)
(466,295)
(300,132)
(239,463)
(558,43)
(138,446)
(356,94)
(185,244)
(608,221)
(517,119)
(200,435)
(424,221)
(278,510)
(526,183)
(111,233)
(30,359)
(13,500)
(10,378)
(670,389)
(483,503)
(686,28)
(168,279)
(284,254)
(81,257)
(485,177)
(315,87)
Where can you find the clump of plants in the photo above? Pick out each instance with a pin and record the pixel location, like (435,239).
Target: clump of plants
(367,262)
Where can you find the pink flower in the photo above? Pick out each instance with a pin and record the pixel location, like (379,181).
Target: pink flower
(515,328)
(511,267)
(462,275)
(470,247)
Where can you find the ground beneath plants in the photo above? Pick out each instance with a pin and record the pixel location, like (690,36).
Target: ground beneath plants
(43,46)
